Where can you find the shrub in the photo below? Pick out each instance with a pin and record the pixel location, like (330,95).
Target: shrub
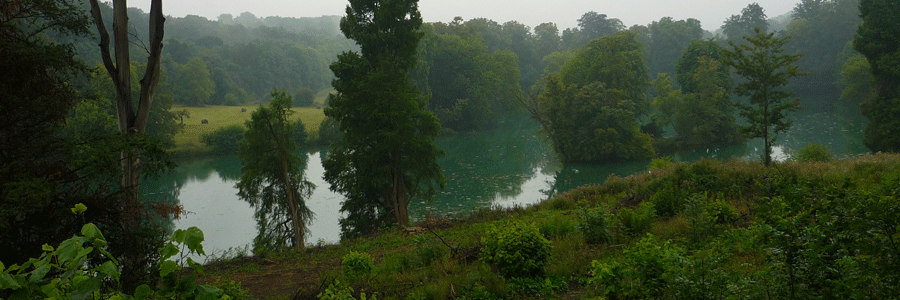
(667,202)
(635,221)
(557,226)
(594,225)
(304,97)
(225,139)
(516,249)
(329,132)
(813,153)
(660,163)
(357,265)
(645,272)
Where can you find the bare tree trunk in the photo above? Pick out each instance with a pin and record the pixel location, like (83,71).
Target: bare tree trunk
(132,123)
(293,202)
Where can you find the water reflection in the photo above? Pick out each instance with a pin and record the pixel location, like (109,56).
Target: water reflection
(506,166)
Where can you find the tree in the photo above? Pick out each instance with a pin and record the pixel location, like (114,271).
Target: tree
(133,117)
(272,179)
(304,97)
(35,98)
(878,39)
(387,155)
(703,117)
(689,63)
(590,108)
(668,39)
(193,85)
(751,17)
(762,63)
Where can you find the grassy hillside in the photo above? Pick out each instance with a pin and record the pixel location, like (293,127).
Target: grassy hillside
(188,141)
(706,230)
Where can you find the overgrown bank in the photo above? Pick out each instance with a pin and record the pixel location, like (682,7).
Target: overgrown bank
(710,229)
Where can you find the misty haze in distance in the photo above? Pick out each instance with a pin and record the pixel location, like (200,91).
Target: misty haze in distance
(564,13)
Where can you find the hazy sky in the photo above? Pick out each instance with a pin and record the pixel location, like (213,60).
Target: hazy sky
(565,13)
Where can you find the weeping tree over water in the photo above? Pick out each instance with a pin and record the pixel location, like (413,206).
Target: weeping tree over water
(387,154)
(272,179)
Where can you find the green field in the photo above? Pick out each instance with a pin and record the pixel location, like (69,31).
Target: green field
(188,141)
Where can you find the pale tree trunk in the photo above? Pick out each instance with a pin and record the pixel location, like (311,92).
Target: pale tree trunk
(132,123)
(399,198)
(293,197)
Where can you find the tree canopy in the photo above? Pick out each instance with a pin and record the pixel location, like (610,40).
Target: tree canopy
(272,179)
(590,109)
(387,154)
(767,69)
(878,39)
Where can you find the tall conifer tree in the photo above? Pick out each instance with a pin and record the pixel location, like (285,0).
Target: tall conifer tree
(387,154)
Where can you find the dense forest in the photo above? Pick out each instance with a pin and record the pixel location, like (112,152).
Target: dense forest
(81,126)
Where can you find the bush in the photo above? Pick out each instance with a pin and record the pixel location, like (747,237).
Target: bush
(357,265)
(667,202)
(556,227)
(635,221)
(646,272)
(813,153)
(516,249)
(595,225)
(225,139)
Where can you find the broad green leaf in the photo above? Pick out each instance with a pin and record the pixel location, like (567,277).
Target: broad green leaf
(110,269)
(206,292)
(166,268)
(91,231)
(68,250)
(178,236)
(39,273)
(143,292)
(167,251)
(85,288)
(47,247)
(194,240)
(8,282)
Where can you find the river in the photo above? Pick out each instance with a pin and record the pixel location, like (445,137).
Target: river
(507,166)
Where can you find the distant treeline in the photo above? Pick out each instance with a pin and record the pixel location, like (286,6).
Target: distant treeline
(474,70)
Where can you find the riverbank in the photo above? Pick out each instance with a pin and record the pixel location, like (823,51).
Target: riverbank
(187,142)
(709,229)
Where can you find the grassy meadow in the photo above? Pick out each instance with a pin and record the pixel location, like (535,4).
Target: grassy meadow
(188,142)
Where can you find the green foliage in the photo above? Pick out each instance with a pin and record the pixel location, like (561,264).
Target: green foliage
(82,268)
(224,140)
(357,266)
(272,179)
(635,221)
(329,132)
(469,86)
(667,201)
(762,62)
(300,135)
(595,225)
(590,109)
(813,153)
(516,249)
(192,84)
(647,271)
(557,227)
(667,41)
(689,63)
(703,117)
(878,38)
(304,97)
(337,291)
(752,17)
(856,77)
(387,155)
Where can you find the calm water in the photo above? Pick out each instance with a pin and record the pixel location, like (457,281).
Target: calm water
(502,167)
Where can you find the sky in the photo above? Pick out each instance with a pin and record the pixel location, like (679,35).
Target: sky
(565,13)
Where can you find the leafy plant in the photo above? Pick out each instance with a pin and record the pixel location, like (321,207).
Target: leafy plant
(595,225)
(645,272)
(813,153)
(516,249)
(338,291)
(637,220)
(357,265)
